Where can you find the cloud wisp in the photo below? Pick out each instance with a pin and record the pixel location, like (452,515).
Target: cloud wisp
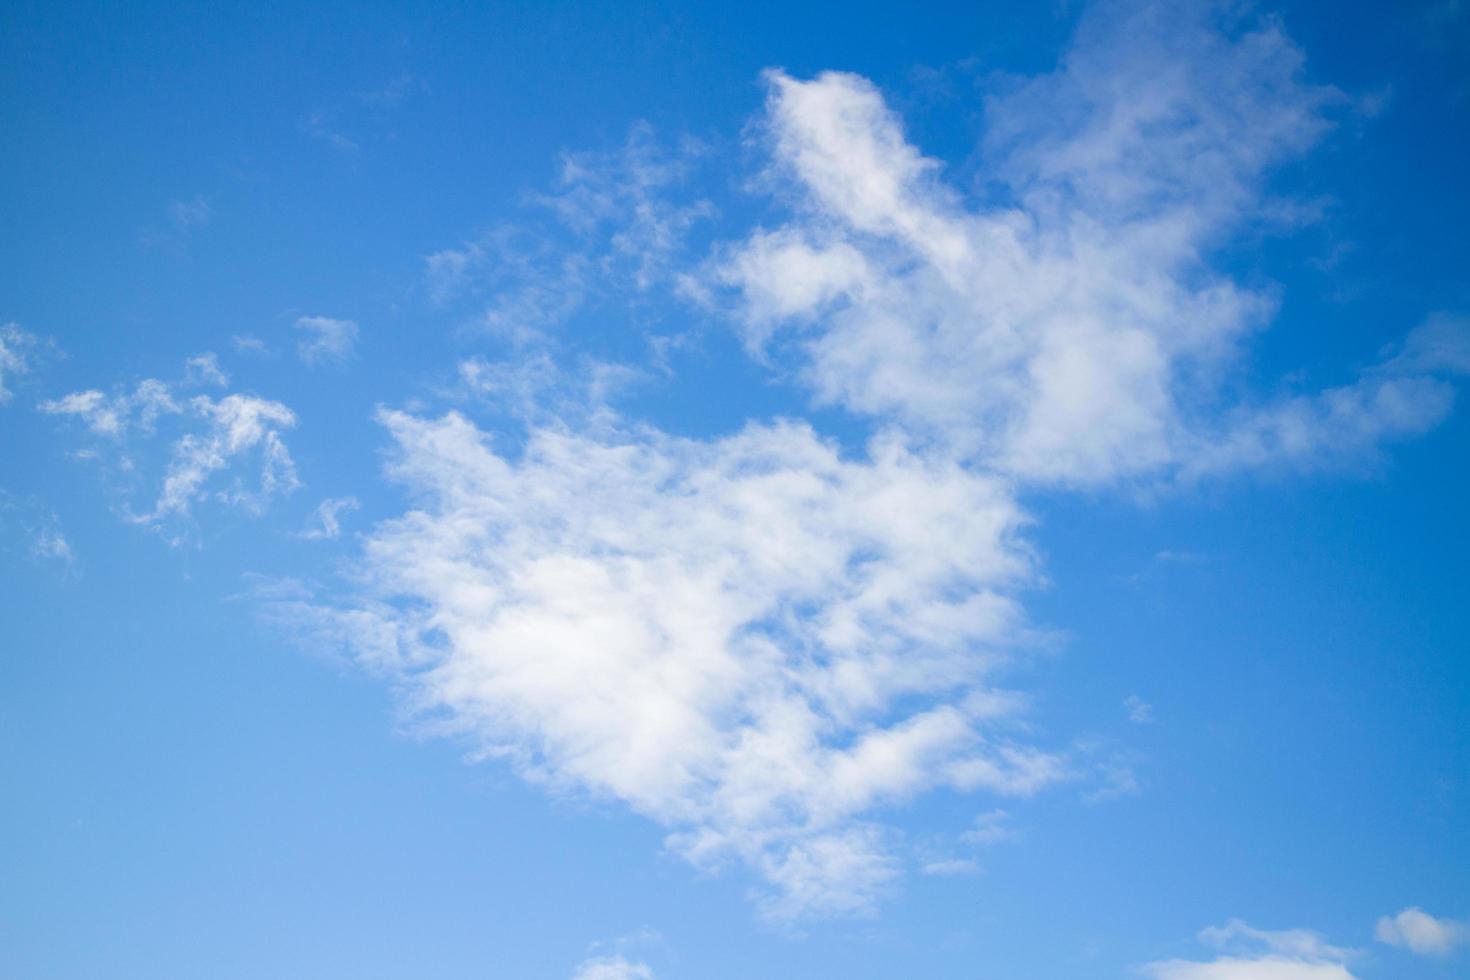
(214,436)
(325,339)
(16,349)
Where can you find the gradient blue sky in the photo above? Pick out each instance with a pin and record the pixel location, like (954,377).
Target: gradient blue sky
(734,490)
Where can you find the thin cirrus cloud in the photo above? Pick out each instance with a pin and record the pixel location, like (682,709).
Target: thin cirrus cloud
(213,437)
(325,339)
(326,520)
(1419,932)
(758,641)
(16,348)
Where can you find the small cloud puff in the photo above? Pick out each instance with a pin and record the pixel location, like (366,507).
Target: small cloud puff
(1420,932)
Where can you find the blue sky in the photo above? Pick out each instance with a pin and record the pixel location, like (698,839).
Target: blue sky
(735,490)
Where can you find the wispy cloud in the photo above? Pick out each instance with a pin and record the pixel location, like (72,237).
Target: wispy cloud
(182,220)
(1140,712)
(326,339)
(249,344)
(16,350)
(204,369)
(215,434)
(41,529)
(326,519)
(613,223)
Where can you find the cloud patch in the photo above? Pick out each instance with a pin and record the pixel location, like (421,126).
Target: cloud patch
(1068,327)
(16,349)
(213,437)
(325,339)
(753,641)
(1258,954)
(1419,932)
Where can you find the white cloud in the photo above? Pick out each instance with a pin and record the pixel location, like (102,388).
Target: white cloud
(1417,930)
(204,369)
(1072,331)
(612,968)
(115,415)
(753,641)
(759,642)
(215,434)
(15,349)
(327,518)
(1256,954)
(326,339)
(235,425)
(50,543)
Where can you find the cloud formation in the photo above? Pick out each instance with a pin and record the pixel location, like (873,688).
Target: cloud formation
(1418,931)
(327,517)
(1257,954)
(15,352)
(325,339)
(758,640)
(613,225)
(214,435)
(753,641)
(1068,328)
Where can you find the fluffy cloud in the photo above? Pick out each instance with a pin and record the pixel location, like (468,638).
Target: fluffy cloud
(214,435)
(758,641)
(326,339)
(1072,331)
(1256,954)
(754,641)
(15,348)
(1421,932)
